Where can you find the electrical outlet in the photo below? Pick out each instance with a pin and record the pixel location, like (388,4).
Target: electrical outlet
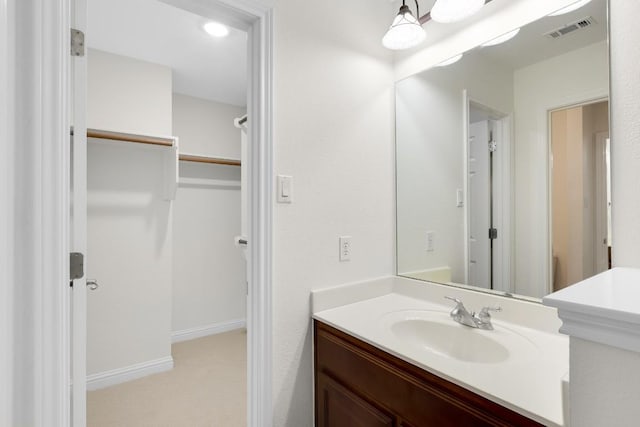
(431,237)
(345,248)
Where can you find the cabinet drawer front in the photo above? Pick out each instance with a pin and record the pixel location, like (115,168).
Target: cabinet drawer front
(411,394)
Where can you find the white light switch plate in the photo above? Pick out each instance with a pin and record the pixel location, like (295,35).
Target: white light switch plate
(284,189)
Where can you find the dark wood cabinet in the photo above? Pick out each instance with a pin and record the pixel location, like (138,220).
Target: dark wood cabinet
(358,385)
(342,408)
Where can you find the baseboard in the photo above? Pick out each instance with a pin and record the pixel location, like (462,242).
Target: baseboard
(203,331)
(128,373)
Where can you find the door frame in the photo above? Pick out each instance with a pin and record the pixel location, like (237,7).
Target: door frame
(602,202)
(575,101)
(504,193)
(35,303)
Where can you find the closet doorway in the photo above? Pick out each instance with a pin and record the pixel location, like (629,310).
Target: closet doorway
(163,121)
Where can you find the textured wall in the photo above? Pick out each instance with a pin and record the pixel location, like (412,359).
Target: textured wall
(205,127)
(625,135)
(604,380)
(334,134)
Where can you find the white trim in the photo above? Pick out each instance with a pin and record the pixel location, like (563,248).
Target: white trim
(259,317)
(78,220)
(204,331)
(35,111)
(128,373)
(7,275)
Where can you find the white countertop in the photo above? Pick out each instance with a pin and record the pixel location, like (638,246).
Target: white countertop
(530,385)
(604,308)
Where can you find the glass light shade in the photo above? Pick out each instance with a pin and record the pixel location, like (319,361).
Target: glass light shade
(215,29)
(450,61)
(501,39)
(570,8)
(447,11)
(405,31)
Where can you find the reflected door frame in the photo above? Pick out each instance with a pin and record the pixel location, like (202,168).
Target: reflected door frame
(573,102)
(502,205)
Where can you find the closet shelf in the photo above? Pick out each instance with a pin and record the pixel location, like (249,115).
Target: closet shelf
(130,137)
(205,159)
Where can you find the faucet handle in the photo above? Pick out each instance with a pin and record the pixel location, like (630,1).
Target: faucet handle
(456,300)
(485,311)
(459,306)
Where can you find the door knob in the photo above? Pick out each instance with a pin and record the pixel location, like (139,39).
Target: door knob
(92,284)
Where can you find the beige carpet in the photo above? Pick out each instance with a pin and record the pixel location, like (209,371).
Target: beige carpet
(206,388)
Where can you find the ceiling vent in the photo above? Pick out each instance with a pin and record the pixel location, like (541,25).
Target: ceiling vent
(580,24)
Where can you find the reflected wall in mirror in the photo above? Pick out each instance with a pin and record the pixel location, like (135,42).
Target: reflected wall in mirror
(502,161)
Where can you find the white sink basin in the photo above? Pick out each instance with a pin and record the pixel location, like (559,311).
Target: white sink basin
(435,332)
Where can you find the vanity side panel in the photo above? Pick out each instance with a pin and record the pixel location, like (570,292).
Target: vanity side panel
(411,394)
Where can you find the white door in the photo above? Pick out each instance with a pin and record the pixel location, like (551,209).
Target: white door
(78,226)
(479,205)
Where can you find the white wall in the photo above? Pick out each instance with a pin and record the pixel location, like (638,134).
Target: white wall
(625,135)
(209,271)
(129,252)
(115,82)
(604,380)
(129,224)
(570,78)
(430,122)
(603,385)
(206,127)
(333,132)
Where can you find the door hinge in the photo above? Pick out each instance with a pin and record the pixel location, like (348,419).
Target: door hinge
(493,233)
(77,42)
(493,146)
(76,266)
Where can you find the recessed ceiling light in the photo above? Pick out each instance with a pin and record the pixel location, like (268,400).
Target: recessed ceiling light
(501,39)
(570,8)
(216,29)
(450,60)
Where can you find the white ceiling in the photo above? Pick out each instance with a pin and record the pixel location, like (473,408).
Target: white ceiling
(152,31)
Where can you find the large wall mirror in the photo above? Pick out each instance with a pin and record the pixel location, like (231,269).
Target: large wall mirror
(503,172)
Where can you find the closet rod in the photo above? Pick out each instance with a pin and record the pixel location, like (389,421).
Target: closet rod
(202,159)
(129,137)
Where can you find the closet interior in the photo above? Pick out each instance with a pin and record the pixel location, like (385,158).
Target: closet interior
(164,199)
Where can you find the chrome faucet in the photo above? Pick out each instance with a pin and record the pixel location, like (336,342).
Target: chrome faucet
(461,315)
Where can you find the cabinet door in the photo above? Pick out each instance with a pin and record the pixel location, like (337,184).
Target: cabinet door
(339,407)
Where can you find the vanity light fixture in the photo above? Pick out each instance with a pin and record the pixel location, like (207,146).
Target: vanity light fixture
(570,8)
(450,61)
(447,11)
(216,29)
(405,31)
(501,39)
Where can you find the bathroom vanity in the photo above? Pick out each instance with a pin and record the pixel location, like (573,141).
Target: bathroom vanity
(358,384)
(387,353)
